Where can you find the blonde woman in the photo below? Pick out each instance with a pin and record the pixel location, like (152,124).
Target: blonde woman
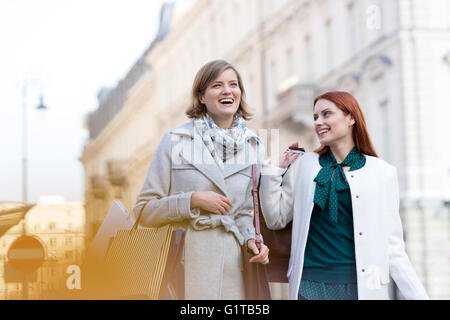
(200,180)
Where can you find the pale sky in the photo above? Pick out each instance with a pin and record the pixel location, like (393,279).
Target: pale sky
(68,49)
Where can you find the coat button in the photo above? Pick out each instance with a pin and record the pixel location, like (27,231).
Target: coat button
(360,233)
(352,176)
(363,270)
(357,196)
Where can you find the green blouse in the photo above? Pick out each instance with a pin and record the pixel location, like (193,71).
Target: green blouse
(330,248)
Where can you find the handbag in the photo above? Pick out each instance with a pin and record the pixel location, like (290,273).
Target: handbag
(255,274)
(138,264)
(279,243)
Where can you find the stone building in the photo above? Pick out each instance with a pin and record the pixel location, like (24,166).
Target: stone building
(393,55)
(59,226)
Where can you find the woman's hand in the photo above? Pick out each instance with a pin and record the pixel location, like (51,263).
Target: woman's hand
(260,256)
(210,201)
(288,157)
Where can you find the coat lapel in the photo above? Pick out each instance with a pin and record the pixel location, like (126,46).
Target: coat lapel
(194,152)
(243,160)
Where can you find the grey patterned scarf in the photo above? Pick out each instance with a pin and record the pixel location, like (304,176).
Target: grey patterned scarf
(223,144)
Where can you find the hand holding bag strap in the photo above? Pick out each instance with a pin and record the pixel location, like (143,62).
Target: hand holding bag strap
(256,206)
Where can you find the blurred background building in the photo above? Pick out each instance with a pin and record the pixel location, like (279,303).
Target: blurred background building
(59,226)
(393,55)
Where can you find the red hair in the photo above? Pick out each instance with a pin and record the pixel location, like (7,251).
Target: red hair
(348,104)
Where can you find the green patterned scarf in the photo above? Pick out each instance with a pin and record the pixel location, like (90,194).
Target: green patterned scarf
(328,185)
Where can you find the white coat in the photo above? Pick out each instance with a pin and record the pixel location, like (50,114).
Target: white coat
(379,246)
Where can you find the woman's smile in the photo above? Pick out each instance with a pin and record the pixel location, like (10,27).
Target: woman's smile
(226,101)
(321,132)
(331,123)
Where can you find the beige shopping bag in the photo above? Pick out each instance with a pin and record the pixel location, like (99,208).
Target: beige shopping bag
(136,261)
(117,218)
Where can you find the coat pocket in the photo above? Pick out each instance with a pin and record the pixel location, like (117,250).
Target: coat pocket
(246,172)
(384,278)
(376,277)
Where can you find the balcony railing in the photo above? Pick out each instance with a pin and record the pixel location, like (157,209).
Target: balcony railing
(295,101)
(99,184)
(116,172)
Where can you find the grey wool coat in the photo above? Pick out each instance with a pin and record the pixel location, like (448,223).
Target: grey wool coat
(180,166)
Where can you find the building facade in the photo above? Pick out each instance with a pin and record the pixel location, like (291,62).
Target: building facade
(59,226)
(394,56)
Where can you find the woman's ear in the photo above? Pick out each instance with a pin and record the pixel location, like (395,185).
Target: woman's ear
(351,121)
(200,97)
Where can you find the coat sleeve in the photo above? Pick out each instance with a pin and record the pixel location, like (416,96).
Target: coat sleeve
(159,207)
(400,267)
(244,220)
(277,194)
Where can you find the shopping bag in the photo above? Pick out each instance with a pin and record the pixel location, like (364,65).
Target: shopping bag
(136,261)
(116,219)
(122,254)
(93,276)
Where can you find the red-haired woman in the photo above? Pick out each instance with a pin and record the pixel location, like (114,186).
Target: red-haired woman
(347,238)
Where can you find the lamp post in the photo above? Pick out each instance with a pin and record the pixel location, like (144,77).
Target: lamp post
(41,106)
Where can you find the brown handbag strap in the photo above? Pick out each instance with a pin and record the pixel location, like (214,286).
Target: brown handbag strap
(256,205)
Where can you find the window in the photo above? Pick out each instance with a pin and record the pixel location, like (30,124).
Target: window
(272,85)
(52,242)
(352,24)
(236,21)
(69,254)
(383,111)
(290,68)
(52,226)
(225,34)
(308,63)
(212,35)
(328,45)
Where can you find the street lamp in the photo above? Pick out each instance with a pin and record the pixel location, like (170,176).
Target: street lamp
(41,106)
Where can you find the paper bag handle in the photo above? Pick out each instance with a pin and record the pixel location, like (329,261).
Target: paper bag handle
(136,223)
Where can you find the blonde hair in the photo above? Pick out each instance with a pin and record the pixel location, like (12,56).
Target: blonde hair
(207,74)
